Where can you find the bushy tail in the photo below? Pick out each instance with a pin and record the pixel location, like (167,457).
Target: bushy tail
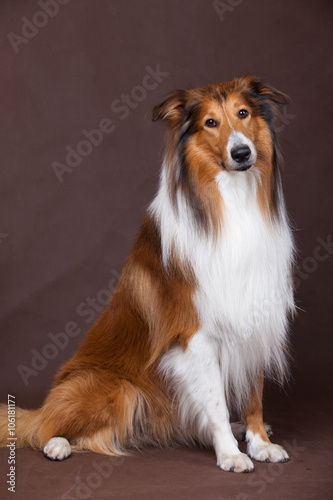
(95,411)
(27,424)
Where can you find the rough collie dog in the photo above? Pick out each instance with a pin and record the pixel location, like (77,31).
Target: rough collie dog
(200,314)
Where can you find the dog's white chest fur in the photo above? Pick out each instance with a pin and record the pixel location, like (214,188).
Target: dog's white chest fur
(243,277)
(244,288)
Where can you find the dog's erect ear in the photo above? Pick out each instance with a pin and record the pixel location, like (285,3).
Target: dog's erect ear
(263,90)
(171,108)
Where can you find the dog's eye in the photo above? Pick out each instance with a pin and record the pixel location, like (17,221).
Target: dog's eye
(243,113)
(210,123)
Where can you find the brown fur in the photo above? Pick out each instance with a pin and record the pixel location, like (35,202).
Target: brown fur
(252,413)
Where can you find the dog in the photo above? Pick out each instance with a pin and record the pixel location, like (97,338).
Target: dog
(200,313)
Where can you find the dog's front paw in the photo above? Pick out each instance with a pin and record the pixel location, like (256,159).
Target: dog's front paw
(235,463)
(57,448)
(267,452)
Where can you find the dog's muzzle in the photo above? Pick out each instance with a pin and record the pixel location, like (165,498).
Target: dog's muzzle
(242,155)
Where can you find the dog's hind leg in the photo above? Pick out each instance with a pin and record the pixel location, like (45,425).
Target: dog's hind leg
(89,411)
(239,430)
(57,448)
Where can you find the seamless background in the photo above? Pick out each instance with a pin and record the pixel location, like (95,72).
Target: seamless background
(64,237)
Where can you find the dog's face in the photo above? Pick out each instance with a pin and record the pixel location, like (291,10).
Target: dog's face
(228,123)
(227,132)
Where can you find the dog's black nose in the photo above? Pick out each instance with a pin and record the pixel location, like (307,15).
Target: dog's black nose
(241,153)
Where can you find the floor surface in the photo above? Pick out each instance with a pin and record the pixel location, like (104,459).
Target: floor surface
(186,473)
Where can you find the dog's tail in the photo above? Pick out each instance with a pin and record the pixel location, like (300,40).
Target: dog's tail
(25,432)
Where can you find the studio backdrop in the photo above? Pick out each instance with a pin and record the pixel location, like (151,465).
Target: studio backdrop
(80,157)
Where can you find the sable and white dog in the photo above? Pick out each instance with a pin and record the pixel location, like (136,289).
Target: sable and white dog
(200,313)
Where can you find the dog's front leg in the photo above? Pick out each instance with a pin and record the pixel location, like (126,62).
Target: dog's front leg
(194,375)
(259,446)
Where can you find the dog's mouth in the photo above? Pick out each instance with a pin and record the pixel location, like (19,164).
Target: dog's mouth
(243,168)
(240,168)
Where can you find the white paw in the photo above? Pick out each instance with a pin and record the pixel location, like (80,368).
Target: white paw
(235,463)
(267,452)
(57,448)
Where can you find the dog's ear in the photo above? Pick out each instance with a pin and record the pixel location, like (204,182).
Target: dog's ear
(263,90)
(172,108)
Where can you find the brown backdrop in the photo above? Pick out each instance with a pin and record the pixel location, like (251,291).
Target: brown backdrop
(65,235)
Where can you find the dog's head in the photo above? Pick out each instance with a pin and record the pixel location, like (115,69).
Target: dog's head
(230,123)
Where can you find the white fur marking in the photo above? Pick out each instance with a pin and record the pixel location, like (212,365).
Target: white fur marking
(239,139)
(227,117)
(236,463)
(57,448)
(195,376)
(263,451)
(244,289)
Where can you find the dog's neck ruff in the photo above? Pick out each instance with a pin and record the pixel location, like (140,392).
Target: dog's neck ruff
(244,293)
